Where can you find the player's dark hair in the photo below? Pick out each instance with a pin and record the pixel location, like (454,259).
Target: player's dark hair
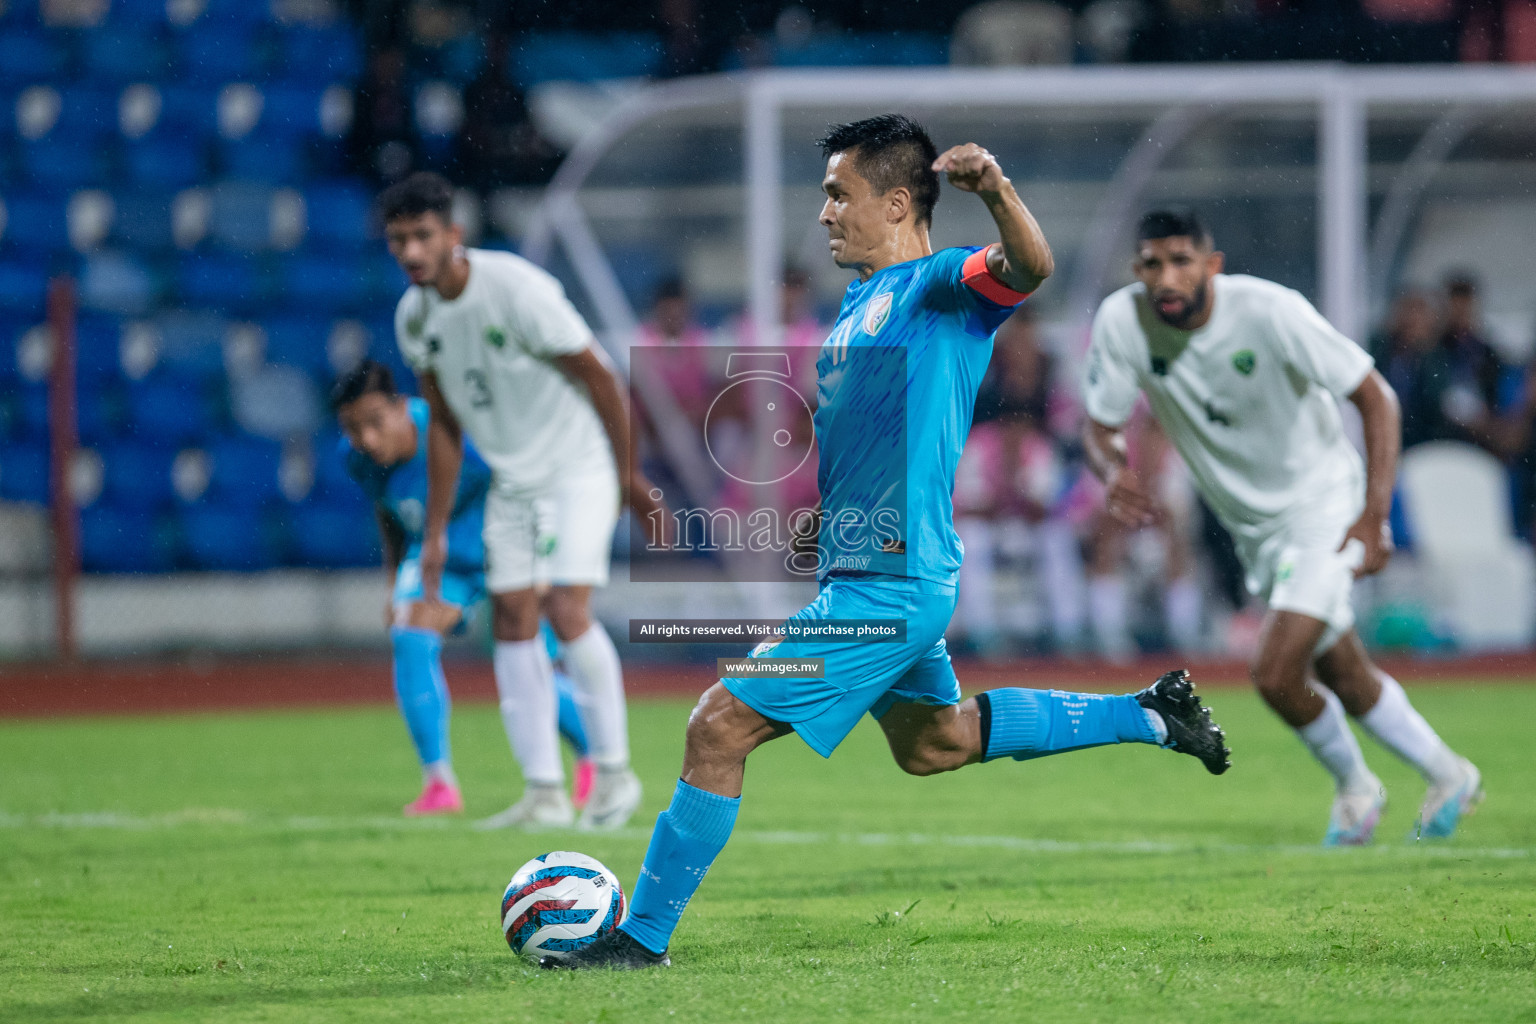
(422,192)
(890,151)
(1173,222)
(366,378)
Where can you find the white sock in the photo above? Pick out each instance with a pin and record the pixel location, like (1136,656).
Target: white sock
(439,771)
(1181,613)
(525,681)
(1108,612)
(1398,727)
(1331,742)
(593,665)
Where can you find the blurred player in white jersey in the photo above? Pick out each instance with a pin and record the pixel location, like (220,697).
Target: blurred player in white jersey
(1246,379)
(504,357)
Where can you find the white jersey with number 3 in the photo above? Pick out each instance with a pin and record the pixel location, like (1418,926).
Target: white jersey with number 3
(492,350)
(1250,400)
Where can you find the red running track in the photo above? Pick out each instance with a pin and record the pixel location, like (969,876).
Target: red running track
(31,690)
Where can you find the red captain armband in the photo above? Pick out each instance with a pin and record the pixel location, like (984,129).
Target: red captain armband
(978,277)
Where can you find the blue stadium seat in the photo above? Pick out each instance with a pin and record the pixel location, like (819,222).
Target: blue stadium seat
(321,55)
(333,536)
(245,469)
(241,13)
(24,472)
(189,110)
(29,56)
(164,159)
(275,157)
(143,221)
(219,281)
(124,55)
(123,540)
(23,288)
(97,341)
(32,411)
(95,412)
(138,476)
(117,282)
(86,112)
(340,215)
(241,218)
(168,408)
(292,109)
(214,52)
(331,480)
(299,341)
(35,222)
(63,163)
(192,345)
(227,538)
(141,14)
(323,284)
(584,57)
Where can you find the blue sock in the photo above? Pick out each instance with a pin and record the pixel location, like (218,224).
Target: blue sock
(570,714)
(689,836)
(1022,724)
(421,691)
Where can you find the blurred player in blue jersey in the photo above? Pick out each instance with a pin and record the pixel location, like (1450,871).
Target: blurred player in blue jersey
(896,383)
(383,453)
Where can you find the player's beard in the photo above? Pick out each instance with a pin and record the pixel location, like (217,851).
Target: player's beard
(1192,309)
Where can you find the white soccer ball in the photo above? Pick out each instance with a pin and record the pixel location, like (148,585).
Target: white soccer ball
(559,903)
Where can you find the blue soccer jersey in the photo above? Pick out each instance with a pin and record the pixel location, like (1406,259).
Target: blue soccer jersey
(401,492)
(896,386)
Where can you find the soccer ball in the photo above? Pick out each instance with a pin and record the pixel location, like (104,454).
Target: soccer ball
(559,903)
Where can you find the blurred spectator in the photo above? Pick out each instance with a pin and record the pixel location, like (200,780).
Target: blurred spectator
(1000,33)
(383,142)
(1497,30)
(1400,350)
(682,41)
(499,143)
(1462,374)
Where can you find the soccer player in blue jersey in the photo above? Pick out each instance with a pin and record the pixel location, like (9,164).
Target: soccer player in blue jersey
(384,453)
(896,383)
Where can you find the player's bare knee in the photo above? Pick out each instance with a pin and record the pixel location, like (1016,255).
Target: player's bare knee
(420,615)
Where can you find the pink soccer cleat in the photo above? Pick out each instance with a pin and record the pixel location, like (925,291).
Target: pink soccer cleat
(581,782)
(437,797)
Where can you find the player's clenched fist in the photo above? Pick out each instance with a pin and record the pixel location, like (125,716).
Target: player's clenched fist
(970,168)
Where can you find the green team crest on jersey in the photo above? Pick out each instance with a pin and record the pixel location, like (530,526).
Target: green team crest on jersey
(496,337)
(1243,361)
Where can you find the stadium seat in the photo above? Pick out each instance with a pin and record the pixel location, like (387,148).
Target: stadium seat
(189,110)
(168,408)
(245,469)
(323,284)
(275,401)
(320,55)
(124,55)
(117,540)
(28,56)
(273,157)
(1482,579)
(23,288)
(143,221)
(864,50)
(97,412)
(31,400)
(63,163)
(219,281)
(219,52)
(299,341)
(241,216)
(293,109)
(97,343)
(584,57)
(140,14)
(340,215)
(24,472)
(87,112)
(227,538)
(164,160)
(35,221)
(116,282)
(138,476)
(333,536)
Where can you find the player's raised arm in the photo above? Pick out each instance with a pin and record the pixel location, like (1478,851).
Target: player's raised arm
(445,453)
(1382,422)
(1024,259)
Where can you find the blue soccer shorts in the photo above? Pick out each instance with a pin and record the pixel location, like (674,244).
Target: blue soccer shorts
(463,590)
(859,677)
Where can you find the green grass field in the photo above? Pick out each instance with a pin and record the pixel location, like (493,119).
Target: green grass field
(254,867)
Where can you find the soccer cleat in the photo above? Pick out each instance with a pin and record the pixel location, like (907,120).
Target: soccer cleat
(541,807)
(438,796)
(1352,821)
(1190,729)
(1449,801)
(616,951)
(614,798)
(581,782)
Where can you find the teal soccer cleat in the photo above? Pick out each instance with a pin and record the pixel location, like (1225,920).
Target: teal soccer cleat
(1448,802)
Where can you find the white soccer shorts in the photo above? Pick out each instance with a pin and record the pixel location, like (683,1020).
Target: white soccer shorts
(1299,568)
(561,533)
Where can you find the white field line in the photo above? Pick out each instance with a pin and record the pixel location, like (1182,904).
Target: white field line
(227,817)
